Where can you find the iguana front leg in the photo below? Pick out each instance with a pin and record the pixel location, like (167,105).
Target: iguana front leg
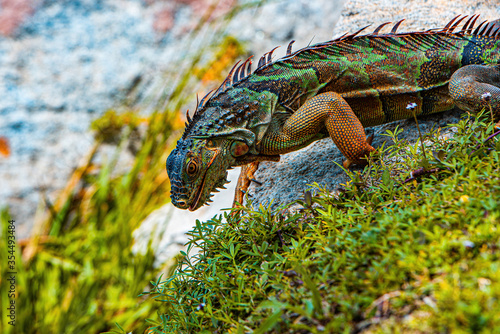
(473,87)
(327,109)
(249,165)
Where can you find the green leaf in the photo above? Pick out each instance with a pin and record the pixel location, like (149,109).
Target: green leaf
(316,297)
(231,250)
(271,304)
(439,155)
(308,198)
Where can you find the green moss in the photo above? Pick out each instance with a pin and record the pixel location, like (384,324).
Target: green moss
(380,256)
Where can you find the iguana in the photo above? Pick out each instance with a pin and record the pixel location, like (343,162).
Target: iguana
(336,89)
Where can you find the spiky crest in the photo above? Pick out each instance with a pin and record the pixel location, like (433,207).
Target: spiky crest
(239,73)
(376,31)
(476,31)
(266,58)
(351,36)
(447,26)
(466,25)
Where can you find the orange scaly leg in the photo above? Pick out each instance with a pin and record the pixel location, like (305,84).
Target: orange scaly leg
(246,176)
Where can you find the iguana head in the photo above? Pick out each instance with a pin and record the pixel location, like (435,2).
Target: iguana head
(196,167)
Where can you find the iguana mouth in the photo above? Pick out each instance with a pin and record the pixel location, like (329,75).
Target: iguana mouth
(197,198)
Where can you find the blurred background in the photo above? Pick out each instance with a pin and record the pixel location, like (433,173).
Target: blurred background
(93,98)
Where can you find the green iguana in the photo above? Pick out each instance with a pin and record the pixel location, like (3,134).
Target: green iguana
(332,89)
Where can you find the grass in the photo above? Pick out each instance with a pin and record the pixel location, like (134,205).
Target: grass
(389,253)
(79,274)
(382,255)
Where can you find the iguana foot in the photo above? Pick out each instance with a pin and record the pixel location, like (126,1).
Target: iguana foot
(348,162)
(246,176)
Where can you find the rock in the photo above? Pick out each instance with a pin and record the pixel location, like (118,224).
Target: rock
(12,14)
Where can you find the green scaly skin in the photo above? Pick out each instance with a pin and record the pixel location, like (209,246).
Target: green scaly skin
(333,89)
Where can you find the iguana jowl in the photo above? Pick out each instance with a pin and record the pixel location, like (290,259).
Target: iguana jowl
(332,89)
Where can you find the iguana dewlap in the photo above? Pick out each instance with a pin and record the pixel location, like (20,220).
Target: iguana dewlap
(335,89)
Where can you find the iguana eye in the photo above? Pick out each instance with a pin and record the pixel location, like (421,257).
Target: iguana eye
(192,168)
